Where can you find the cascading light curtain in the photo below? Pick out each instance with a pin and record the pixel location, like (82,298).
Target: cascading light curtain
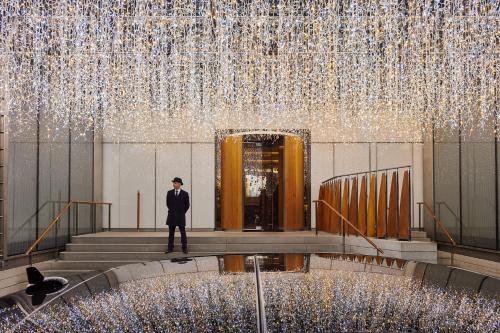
(141,70)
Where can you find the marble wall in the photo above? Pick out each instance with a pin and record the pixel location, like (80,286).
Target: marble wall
(149,168)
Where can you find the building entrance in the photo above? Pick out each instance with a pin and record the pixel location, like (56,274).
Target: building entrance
(262,177)
(262,182)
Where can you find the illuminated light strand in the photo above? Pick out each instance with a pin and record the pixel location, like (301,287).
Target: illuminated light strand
(375,69)
(295,302)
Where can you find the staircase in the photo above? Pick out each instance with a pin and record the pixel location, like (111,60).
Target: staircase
(111,249)
(104,250)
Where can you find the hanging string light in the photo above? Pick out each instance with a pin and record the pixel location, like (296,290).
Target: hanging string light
(138,69)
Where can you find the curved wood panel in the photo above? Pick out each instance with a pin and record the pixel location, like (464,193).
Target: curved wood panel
(345,202)
(404,208)
(234,263)
(294,183)
(335,227)
(372,210)
(362,206)
(331,215)
(392,219)
(400,263)
(353,207)
(382,207)
(232,183)
(389,261)
(294,261)
(325,211)
(338,206)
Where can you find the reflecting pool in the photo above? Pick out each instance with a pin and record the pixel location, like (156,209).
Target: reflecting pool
(201,295)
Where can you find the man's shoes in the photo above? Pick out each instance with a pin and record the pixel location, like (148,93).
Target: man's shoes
(185,251)
(169,251)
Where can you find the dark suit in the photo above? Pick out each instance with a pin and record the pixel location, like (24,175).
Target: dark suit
(177,205)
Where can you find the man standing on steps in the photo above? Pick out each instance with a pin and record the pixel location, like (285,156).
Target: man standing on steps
(178,205)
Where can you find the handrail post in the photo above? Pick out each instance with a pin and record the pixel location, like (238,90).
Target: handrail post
(77,214)
(93,209)
(109,217)
(419,215)
(316,208)
(138,209)
(56,253)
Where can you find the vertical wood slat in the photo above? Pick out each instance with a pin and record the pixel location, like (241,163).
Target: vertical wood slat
(353,206)
(294,183)
(362,206)
(281,186)
(372,210)
(404,208)
(382,207)
(335,227)
(328,199)
(338,205)
(331,215)
(232,183)
(392,218)
(234,263)
(294,261)
(345,202)
(325,213)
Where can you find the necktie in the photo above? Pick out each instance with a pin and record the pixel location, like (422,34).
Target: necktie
(176,192)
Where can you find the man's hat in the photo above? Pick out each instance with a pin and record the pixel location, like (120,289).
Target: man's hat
(177,180)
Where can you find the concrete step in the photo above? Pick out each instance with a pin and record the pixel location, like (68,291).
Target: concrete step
(126,256)
(116,249)
(417,239)
(142,240)
(93,264)
(216,239)
(129,254)
(419,235)
(142,247)
(202,248)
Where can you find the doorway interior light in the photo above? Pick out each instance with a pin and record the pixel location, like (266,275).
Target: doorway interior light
(361,66)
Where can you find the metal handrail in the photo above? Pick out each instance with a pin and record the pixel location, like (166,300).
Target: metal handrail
(58,218)
(343,219)
(438,222)
(365,172)
(439,203)
(28,220)
(259,297)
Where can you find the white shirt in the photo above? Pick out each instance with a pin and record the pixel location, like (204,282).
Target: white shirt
(177,192)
